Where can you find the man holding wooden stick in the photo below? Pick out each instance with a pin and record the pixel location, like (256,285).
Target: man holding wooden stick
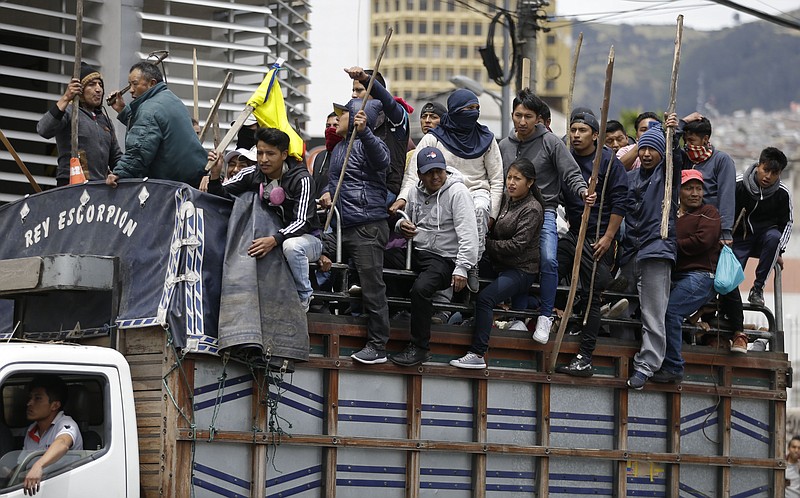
(97,143)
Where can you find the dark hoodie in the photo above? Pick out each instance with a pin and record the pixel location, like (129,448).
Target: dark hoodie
(551,158)
(362,198)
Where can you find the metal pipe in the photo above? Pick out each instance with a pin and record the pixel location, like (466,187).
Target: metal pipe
(408,241)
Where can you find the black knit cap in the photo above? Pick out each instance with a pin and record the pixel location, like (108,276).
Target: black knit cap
(434,107)
(88,73)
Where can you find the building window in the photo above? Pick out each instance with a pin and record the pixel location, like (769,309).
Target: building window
(450,28)
(464,29)
(436,74)
(394,74)
(396,5)
(477,30)
(450,52)
(423,4)
(386,5)
(376,30)
(463,51)
(409,50)
(448,73)
(436,51)
(408,73)
(422,74)
(437,28)
(437,5)
(409,27)
(396,52)
(551,39)
(377,6)
(451,5)
(476,75)
(409,4)
(408,95)
(423,50)
(423,27)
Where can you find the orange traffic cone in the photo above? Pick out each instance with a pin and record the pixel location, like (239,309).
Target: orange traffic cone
(76,176)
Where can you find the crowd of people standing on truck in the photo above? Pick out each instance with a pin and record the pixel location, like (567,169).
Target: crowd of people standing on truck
(476,205)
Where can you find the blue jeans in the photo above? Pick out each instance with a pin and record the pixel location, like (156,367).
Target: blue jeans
(298,251)
(508,283)
(762,245)
(690,291)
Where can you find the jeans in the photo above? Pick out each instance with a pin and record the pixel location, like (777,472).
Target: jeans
(764,246)
(435,274)
(298,251)
(364,244)
(652,278)
(690,291)
(508,283)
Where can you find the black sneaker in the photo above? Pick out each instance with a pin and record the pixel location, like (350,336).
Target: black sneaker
(637,380)
(411,355)
(666,377)
(756,297)
(369,355)
(473,284)
(440,317)
(578,367)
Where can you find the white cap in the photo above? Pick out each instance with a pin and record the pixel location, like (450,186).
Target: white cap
(251,154)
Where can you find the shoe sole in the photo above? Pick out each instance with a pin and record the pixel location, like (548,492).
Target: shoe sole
(467,366)
(576,373)
(635,388)
(734,349)
(369,362)
(540,341)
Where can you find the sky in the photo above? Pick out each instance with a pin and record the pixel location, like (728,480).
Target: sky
(340,34)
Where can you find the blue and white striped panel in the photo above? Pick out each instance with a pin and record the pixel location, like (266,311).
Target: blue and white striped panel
(750,434)
(195,227)
(137,323)
(699,434)
(511,416)
(699,481)
(447,475)
(368,473)
(235,401)
(646,479)
(372,405)
(581,418)
(221,469)
(174,256)
(301,401)
(647,421)
(751,483)
(447,409)
(298,474)
(510,476)
(570,477)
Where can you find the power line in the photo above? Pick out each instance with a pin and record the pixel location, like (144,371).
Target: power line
(786,23)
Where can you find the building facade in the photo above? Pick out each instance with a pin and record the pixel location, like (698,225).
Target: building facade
(37,41)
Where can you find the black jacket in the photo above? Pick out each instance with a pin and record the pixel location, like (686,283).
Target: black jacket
(761,214)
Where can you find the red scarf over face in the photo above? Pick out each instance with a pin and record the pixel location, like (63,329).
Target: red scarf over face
(698,153)
(331,138)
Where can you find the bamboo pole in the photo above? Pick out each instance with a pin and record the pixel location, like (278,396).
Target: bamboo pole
(195,87)
(375,70)
(576,263)
(673,90)
(21,165)
(526,72)
(76,74)
(572,85)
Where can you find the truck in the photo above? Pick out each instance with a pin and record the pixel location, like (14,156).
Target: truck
(118,292)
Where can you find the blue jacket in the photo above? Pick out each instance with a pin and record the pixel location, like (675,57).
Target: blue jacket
(642,238)
(160,142)
(362,198)
(613,201)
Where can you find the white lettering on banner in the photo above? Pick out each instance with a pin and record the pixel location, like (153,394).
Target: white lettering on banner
(101,213)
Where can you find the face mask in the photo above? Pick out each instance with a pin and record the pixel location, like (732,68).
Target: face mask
(331,138)
(698,153)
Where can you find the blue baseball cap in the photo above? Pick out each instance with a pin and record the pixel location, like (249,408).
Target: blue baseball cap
(429,158)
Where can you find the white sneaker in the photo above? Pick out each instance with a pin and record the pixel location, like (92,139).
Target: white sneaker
(543,326)
(759,345)
(306,303)
(517,325)
(470,360)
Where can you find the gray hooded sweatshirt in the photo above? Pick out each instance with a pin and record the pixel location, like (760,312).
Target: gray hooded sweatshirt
(445,222)
(552,160)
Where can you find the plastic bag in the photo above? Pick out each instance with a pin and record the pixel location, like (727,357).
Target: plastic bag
(729,272)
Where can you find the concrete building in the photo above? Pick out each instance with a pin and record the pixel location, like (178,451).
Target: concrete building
(37,42)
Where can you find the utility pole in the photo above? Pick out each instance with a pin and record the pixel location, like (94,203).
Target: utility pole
(529,13)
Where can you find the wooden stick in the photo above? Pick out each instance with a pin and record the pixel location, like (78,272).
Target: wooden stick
(21,165)
(212,113)
(673,90)
(572,85)
(375,70)
(576,263)
(228,138)
(526,72)
(76,74)
(195,87)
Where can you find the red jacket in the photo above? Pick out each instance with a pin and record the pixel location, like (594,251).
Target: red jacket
(698,234)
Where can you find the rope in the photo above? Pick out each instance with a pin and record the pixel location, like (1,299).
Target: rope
(212,429)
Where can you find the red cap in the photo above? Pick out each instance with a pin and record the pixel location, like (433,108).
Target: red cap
(691,174)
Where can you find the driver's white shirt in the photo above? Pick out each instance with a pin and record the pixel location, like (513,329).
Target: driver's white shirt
(62,424)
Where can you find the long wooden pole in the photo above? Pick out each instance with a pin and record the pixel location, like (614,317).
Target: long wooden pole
(576,263)
(212,113)
(572,85)
(526,72)
(21,165)
(375,70)
(76,74)
(673,90)
(195,87)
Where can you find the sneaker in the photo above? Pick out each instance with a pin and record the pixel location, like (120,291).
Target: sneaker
(578,367)
(756,297)
(666,377)
(619,284)
(617,310)
(411,355)
(469,360)
(354,290)
(759,345)
(739,343)
(516,325)
(637,380)
(440,317)
(473,284)
(369,355)
(402,316)
(543,326)
(306,303)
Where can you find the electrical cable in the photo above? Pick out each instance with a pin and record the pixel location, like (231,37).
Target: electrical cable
(489,56)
